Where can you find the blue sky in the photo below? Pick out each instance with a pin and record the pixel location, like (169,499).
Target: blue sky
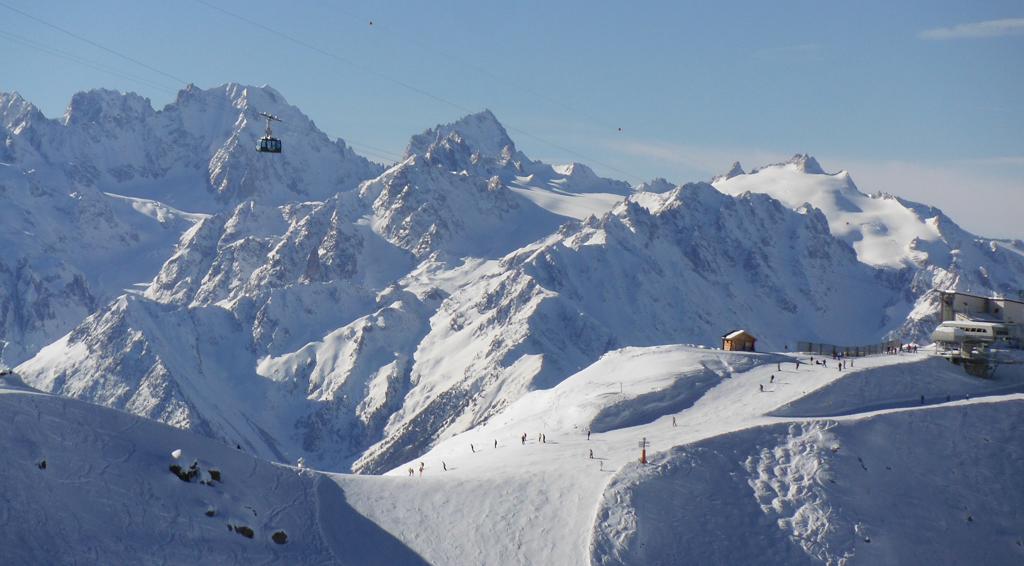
(919,99)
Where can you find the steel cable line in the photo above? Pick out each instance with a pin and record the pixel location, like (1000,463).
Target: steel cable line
(481,69)
(382,153)
(93,43)
(405,85)
(335,56)
(24,41)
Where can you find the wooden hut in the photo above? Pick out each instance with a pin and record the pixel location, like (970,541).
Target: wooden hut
(738,341)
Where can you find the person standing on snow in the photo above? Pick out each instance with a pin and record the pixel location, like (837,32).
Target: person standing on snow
(772,380)
(591,453)
(761,385)
(471,449)
(421,469)
(495,443)
(444,466)
(588,433)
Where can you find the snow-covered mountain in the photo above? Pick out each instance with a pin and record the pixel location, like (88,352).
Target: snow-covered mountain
(92,202)
(318,306)
(683,270)
(917,245)
(67,250)
(195,154)
(303,306)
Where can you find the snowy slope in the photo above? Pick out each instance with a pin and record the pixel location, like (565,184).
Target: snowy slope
(86,484)
(729,483)
(921,487)
(549,502)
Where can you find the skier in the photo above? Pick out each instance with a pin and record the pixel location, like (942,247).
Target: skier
(473,450)
(522,439)
(591,453)
(412,472)
(797,364)
(421,469)
(761,385)
(543,439)
(779,367)
(588,433)
(772,380)
(673,421)
(444,466)
(495,443)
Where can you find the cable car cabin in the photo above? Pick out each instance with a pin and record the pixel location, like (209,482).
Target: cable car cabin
(269,145)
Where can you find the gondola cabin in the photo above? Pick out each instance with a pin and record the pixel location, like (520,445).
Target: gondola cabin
(268,143)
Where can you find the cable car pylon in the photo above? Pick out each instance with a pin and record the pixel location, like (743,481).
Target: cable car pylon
(268,143)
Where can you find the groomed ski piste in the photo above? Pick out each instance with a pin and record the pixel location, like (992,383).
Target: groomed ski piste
(899,459)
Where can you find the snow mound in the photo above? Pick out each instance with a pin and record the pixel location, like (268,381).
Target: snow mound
(867,491)
(100,485)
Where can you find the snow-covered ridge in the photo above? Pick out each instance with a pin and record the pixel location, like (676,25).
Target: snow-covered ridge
(194,154)
(918,247)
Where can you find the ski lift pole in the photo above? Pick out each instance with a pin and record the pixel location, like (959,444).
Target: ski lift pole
(643,450)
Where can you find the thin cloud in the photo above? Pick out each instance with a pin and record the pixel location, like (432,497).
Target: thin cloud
(988,28)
